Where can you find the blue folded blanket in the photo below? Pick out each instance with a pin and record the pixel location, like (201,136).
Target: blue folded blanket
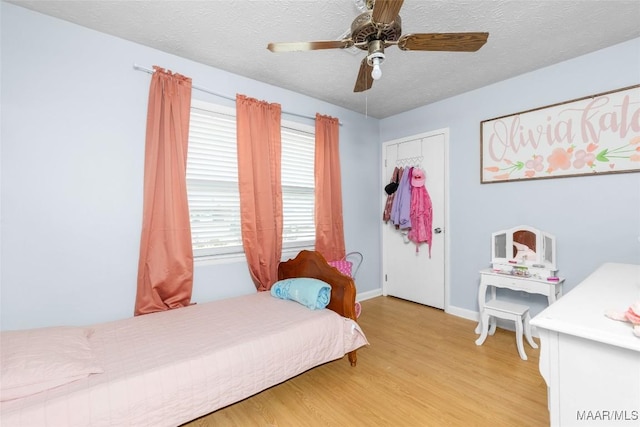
(312,293)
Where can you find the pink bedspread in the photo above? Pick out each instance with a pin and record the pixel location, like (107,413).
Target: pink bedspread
(165,369)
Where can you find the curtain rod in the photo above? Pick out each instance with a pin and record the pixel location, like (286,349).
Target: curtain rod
(202,89)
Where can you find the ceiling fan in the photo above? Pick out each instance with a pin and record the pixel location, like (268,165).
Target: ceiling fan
(379,27)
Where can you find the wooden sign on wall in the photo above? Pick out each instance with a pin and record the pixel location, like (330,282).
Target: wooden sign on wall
(593,135)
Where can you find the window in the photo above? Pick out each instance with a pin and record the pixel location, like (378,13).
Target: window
(212,182)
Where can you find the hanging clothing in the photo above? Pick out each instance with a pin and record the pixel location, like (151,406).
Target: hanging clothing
(421,212)
(394,204)
(400,211)
(395,178)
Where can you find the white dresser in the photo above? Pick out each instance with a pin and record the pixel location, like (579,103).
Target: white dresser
(591,363)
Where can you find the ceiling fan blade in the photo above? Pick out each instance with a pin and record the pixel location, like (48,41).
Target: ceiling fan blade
(302,46)
(365,81)
(386,11)
(454,42)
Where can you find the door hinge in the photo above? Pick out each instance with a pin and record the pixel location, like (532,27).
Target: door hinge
(385,277)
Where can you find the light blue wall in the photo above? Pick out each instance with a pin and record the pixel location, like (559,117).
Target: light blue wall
(73,129)
(72,141)
(595,219)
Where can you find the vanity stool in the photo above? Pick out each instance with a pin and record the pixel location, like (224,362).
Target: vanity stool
(497,309)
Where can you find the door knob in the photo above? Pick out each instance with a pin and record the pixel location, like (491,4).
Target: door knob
(437,230)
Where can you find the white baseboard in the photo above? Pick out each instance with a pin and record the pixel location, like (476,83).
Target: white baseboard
(463,312)
(361,296)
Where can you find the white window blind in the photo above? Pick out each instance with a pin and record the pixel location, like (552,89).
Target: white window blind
(298,186)
(212,182)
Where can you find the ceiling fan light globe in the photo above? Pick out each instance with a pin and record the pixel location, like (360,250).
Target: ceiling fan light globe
(376,73)
(375,60)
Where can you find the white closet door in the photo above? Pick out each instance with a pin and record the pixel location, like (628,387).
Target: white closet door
(408,274)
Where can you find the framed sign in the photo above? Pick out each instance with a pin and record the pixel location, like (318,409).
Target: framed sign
(593,135)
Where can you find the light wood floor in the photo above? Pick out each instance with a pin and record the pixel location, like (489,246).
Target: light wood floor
(421,369)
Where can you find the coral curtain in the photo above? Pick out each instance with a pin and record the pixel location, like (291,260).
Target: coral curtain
(328,197)
(165,267)
(259,151)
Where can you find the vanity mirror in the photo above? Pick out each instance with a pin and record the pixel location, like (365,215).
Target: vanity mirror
(524,251)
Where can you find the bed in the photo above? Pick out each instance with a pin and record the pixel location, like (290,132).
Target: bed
(167,368)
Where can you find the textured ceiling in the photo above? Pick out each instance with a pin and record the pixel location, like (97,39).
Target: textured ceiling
(232,35)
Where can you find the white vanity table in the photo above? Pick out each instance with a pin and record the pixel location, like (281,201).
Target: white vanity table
(492,280)
(523,258)
(591,363)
